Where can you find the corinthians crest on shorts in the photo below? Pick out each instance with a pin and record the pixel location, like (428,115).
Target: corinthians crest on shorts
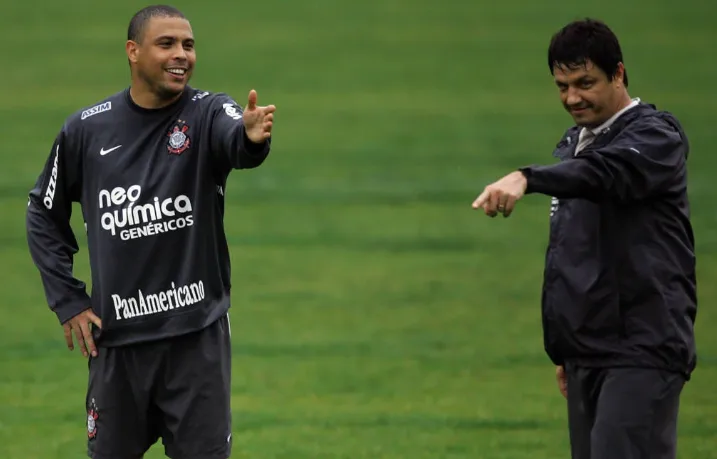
(92,416)
(178,138)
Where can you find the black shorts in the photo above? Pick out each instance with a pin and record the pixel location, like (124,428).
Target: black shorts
(623,413)
(176,389)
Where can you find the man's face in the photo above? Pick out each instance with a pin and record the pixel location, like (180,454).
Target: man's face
(165,56)
(587,93)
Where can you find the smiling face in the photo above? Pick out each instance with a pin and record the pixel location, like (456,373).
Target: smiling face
(588,94)
(163,59)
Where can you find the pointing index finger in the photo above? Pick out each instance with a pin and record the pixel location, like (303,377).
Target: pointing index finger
(480,200)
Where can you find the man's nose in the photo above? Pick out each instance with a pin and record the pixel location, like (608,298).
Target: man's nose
(180,53)
(573,97)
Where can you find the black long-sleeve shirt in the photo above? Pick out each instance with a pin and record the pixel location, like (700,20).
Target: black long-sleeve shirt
(151,187)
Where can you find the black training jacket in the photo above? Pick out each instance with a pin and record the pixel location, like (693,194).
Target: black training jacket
(151,187)
(619,283)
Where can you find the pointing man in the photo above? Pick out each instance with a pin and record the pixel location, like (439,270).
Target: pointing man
(619,293)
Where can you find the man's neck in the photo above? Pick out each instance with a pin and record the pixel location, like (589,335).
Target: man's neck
(145,98)
(623,102)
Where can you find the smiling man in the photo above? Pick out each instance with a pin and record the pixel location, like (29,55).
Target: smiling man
(619,292)
(149,166)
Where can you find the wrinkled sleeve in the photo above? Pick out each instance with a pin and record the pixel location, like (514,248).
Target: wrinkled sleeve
(231,147)
(50,238)
(641,162)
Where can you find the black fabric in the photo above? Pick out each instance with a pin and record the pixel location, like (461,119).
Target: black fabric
(176,389)
(620,284)
(151,186)
(623,413)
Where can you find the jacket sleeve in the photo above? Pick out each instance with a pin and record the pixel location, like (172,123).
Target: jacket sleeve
(230,144)
(643,161)
(51,241)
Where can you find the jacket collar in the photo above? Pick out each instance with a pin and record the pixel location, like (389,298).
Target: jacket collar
(605,132)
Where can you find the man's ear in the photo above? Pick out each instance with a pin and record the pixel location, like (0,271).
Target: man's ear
(132,49)
(619,77)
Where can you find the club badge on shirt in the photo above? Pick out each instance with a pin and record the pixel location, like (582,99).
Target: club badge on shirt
(178,138)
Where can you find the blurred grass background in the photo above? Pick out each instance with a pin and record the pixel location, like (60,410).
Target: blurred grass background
(375,315)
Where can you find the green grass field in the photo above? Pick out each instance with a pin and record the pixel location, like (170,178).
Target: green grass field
(375,314)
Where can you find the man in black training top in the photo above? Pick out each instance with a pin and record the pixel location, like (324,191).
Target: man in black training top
(149,167)
(619,301)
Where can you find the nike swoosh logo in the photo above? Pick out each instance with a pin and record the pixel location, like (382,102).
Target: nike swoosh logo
(104,152)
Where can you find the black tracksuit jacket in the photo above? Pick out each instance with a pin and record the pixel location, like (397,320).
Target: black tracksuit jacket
(619,283)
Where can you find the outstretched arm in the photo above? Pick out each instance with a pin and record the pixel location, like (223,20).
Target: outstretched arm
(241,137)
(641,162)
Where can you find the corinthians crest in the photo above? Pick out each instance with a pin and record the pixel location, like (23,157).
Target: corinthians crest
(178,138)
(92,416)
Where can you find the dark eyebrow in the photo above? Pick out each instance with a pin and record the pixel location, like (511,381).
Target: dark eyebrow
(582,80)
(172,39)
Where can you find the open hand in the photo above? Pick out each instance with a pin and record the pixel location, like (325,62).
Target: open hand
(502,195)
(80,326)
(258,120)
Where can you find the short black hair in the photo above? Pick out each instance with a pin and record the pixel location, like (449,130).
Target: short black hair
(141,18)
(583,40)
